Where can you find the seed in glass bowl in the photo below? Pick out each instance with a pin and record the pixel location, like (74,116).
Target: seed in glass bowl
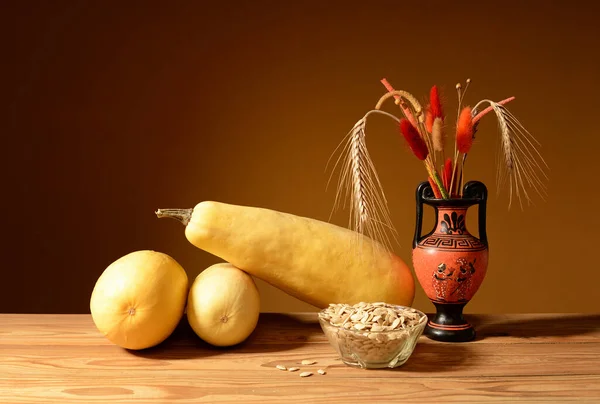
(373,331)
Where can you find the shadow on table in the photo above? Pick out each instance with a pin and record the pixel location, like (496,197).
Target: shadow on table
(430,357)
(437,358)
(274,333)
(559,326)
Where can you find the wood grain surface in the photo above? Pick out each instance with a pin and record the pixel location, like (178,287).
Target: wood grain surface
(515,358)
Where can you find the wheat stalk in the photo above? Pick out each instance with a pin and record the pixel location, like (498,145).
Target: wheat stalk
(405,109)
(521,162)
(359,182)
(417,109)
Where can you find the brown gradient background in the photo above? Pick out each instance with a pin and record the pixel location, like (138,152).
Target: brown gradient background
(111,110)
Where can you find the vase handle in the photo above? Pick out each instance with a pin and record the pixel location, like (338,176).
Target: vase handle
(478,190)
(423,190)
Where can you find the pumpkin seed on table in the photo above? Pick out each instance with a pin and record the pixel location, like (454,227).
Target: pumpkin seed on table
(281,367)
(321,372)
(293,369)
(308,362)
(305,374)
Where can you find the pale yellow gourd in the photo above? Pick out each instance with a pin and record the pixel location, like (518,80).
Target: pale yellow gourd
(223,305)
(314,261)
(139,299)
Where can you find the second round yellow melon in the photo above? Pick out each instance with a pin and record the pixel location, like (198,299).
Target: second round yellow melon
(223,305)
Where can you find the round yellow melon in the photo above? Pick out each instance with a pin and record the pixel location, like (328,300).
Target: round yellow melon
(223,305)
(139,299)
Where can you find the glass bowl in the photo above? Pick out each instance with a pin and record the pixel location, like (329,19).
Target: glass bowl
(362,347)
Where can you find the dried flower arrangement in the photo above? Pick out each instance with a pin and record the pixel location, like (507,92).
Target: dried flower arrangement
(424,131)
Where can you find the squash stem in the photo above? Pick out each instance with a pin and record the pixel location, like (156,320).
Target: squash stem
(182,215)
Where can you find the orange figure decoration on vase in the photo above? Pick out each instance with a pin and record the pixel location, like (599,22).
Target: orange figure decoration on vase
(450,263)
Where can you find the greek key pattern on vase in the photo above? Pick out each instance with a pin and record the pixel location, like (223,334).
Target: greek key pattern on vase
(454,243)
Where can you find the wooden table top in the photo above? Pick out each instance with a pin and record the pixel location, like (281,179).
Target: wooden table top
(515,358)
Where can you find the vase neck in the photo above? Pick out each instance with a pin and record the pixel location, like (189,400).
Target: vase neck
(451,220)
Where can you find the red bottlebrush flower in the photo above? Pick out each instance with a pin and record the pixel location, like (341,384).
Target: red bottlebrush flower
(435,104)
(434,187)
(414,140)
(464,131)
(447,174)
(429,118)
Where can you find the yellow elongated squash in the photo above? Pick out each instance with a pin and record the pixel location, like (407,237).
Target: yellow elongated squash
(314,261)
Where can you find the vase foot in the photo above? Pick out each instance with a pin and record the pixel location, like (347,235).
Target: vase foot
(445,333)
(448,324)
